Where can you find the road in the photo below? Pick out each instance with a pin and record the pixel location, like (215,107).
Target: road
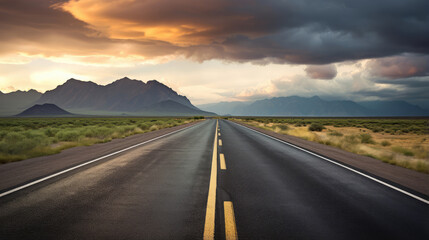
(200,182)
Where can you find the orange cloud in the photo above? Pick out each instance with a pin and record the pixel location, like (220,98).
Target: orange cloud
(184,23)
(257,31)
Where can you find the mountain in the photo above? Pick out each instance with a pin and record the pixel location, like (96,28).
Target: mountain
(172,108)
(315,106)
(15,102)
(124,96)
(393,108)
(46,109)
(224,108)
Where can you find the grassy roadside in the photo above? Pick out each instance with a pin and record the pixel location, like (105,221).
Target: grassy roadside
(401,142)
(22,138)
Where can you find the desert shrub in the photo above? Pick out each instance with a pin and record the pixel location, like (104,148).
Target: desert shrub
(403,151)
(51,132)
(335,133)
(68,135)
(99,132)
(153,128)
(2,134)
(16,143)
(316,127)
(366,138)
(125,129)
(351,139)
(144,126)
(385,143)
(283,127)
(377,129)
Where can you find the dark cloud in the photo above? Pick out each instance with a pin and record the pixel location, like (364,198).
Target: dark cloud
(400,66)
(321,71)
(260,31)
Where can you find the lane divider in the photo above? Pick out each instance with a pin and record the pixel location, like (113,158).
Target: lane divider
(220,142)
(209,225)
(86,163)
(341,165)
(230,226)
(222,162)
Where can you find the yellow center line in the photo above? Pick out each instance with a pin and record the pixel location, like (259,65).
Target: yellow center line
(230,228)
(209,225)
(222,162)
(220,142)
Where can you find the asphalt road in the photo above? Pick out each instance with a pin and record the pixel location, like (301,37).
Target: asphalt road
(261,189)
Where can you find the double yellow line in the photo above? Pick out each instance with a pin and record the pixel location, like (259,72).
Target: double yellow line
(209,226)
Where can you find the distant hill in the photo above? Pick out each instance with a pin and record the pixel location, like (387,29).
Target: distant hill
(224,108)
(315,106)
(46,109)
(393,108)
(15,102)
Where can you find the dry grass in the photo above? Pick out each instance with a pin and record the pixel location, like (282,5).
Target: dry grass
(407,150)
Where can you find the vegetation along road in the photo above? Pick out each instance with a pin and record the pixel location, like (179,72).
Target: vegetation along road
(212,179)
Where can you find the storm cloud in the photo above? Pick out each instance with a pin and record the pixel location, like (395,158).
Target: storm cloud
(268,31)
(400,66)
(321,71)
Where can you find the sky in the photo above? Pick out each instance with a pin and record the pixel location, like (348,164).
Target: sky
(222,50)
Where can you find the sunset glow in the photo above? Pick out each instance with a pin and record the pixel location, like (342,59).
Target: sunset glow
(221,50)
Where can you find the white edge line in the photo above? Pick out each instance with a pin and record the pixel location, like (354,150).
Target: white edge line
(341,165)
(86,163)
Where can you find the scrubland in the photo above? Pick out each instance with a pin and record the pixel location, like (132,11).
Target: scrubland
(22,138)
(402,142)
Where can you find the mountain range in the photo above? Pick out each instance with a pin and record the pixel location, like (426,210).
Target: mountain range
(137,98)
(122,97)
(15,102)
(315,106)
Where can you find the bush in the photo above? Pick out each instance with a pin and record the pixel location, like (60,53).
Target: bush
(402,150)
(351,139)
(17,143)
(283,127)
(385,143)
(67,135)
(144,126)
(335,133)
(316,127)
(98,132)
(51,132)
(366,138)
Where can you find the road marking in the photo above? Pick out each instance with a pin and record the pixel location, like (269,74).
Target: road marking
(86,163)
(222,161)
(341,165)
(219,134)
(220,142)
(209,225)
(230,228)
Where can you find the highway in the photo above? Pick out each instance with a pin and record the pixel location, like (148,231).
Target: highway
(212,180)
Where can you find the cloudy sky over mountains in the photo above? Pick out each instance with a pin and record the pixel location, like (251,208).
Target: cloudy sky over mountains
(219,50)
